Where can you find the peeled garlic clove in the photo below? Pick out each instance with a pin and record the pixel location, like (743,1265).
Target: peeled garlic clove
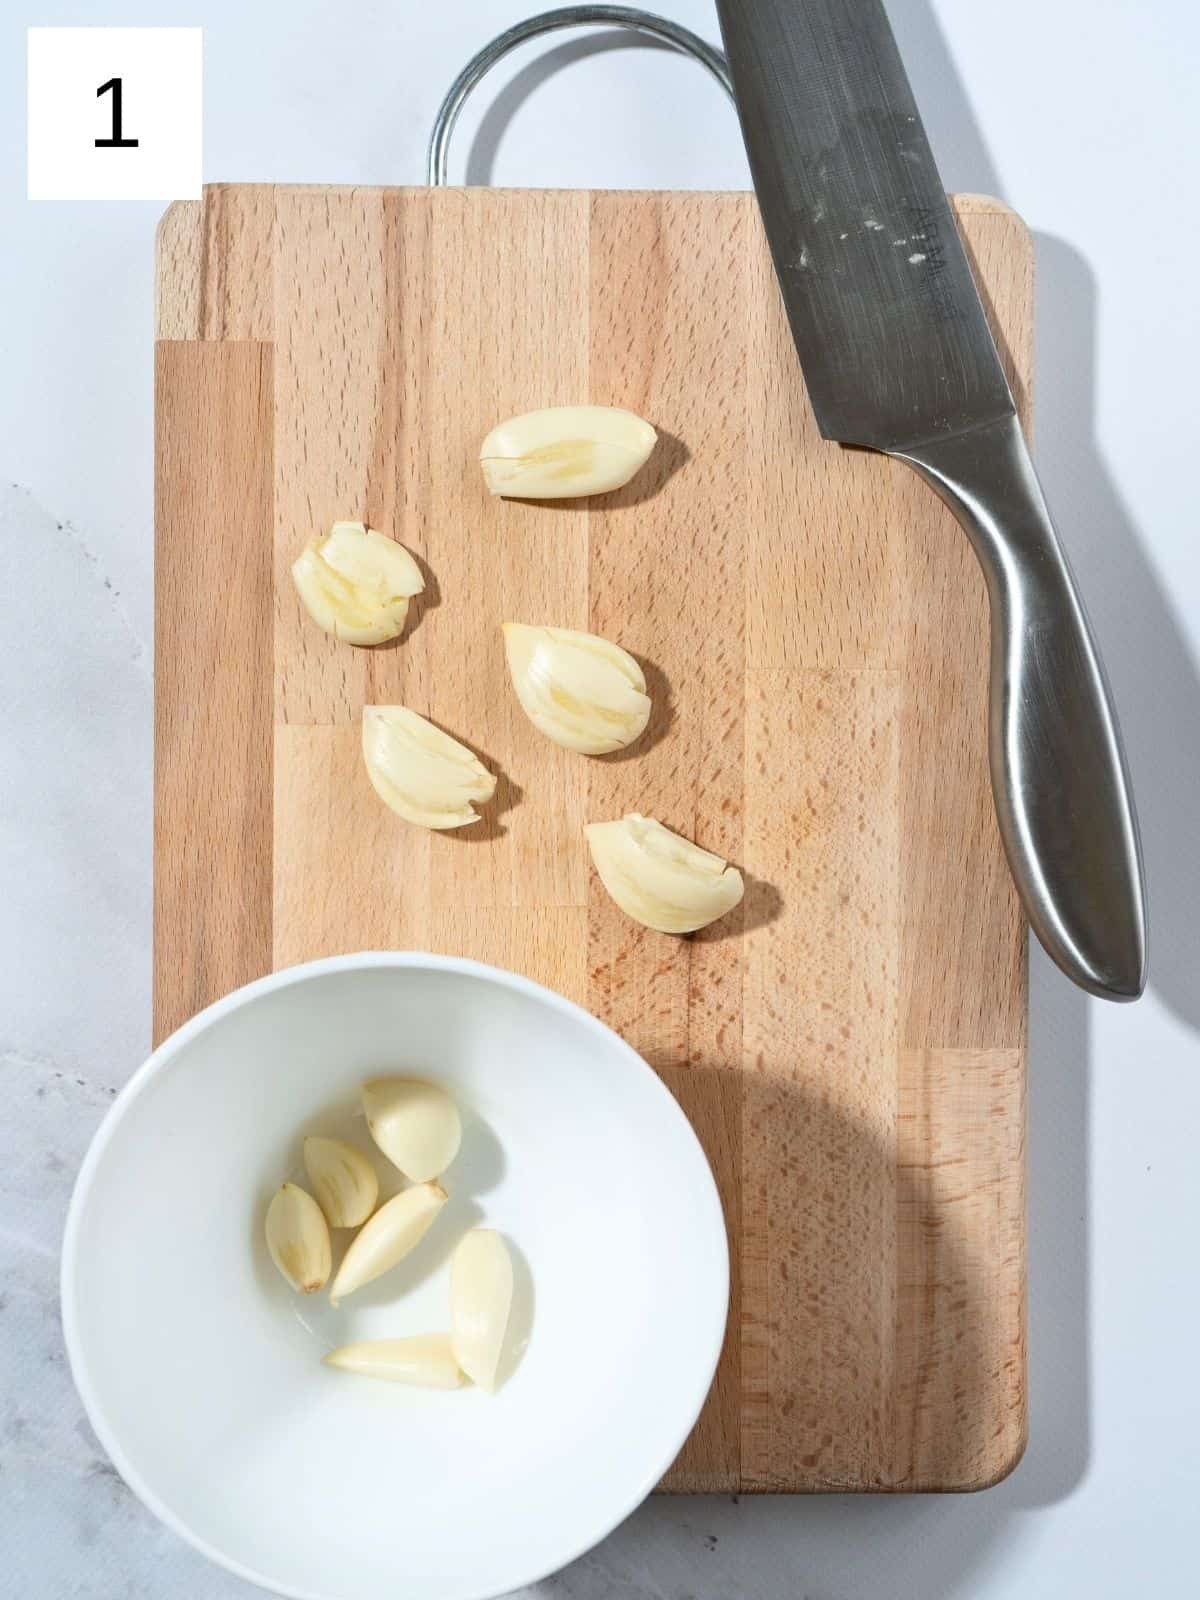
(298,1238)
(578,689)
(387,1237)
(426,1359)
(659,879)
(356,583)
(423,774)
(564,452)
(481,1291)
(415,1124)
(343,1181)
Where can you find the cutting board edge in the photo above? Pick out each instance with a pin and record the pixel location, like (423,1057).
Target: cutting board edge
(182,244)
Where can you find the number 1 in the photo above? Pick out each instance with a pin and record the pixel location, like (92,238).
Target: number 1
(114,141)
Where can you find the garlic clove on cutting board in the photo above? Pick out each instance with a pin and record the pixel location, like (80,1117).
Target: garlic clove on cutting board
(658,878)
(564,452)
(423,774)
(583,692)
(356,583)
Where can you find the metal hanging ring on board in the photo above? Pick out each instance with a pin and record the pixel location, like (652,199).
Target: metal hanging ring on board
(661,28)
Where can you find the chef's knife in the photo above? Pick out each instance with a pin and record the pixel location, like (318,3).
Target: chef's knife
(897,355)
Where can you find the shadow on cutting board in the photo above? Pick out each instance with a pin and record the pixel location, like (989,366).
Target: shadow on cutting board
(862,1313)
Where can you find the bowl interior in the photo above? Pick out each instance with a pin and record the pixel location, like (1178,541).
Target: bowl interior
(201,1370)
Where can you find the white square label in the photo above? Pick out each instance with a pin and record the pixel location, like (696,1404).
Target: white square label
(115,113)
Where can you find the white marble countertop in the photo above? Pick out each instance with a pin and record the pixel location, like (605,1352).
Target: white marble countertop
(1082,114)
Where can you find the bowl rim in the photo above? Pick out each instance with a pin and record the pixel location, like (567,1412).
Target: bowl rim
(711,1219)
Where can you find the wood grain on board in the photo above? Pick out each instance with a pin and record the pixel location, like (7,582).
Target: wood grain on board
(849,1044)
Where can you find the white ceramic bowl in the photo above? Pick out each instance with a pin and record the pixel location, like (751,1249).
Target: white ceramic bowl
(201,1371)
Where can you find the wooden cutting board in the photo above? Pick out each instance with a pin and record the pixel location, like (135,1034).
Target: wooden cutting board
(850,1045)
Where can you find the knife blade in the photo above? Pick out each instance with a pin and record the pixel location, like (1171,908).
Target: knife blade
(897,355)
(885,313)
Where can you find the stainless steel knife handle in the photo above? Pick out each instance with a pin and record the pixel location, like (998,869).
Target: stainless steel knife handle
(1062,792)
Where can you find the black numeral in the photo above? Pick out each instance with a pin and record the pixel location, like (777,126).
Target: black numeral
(115,141)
